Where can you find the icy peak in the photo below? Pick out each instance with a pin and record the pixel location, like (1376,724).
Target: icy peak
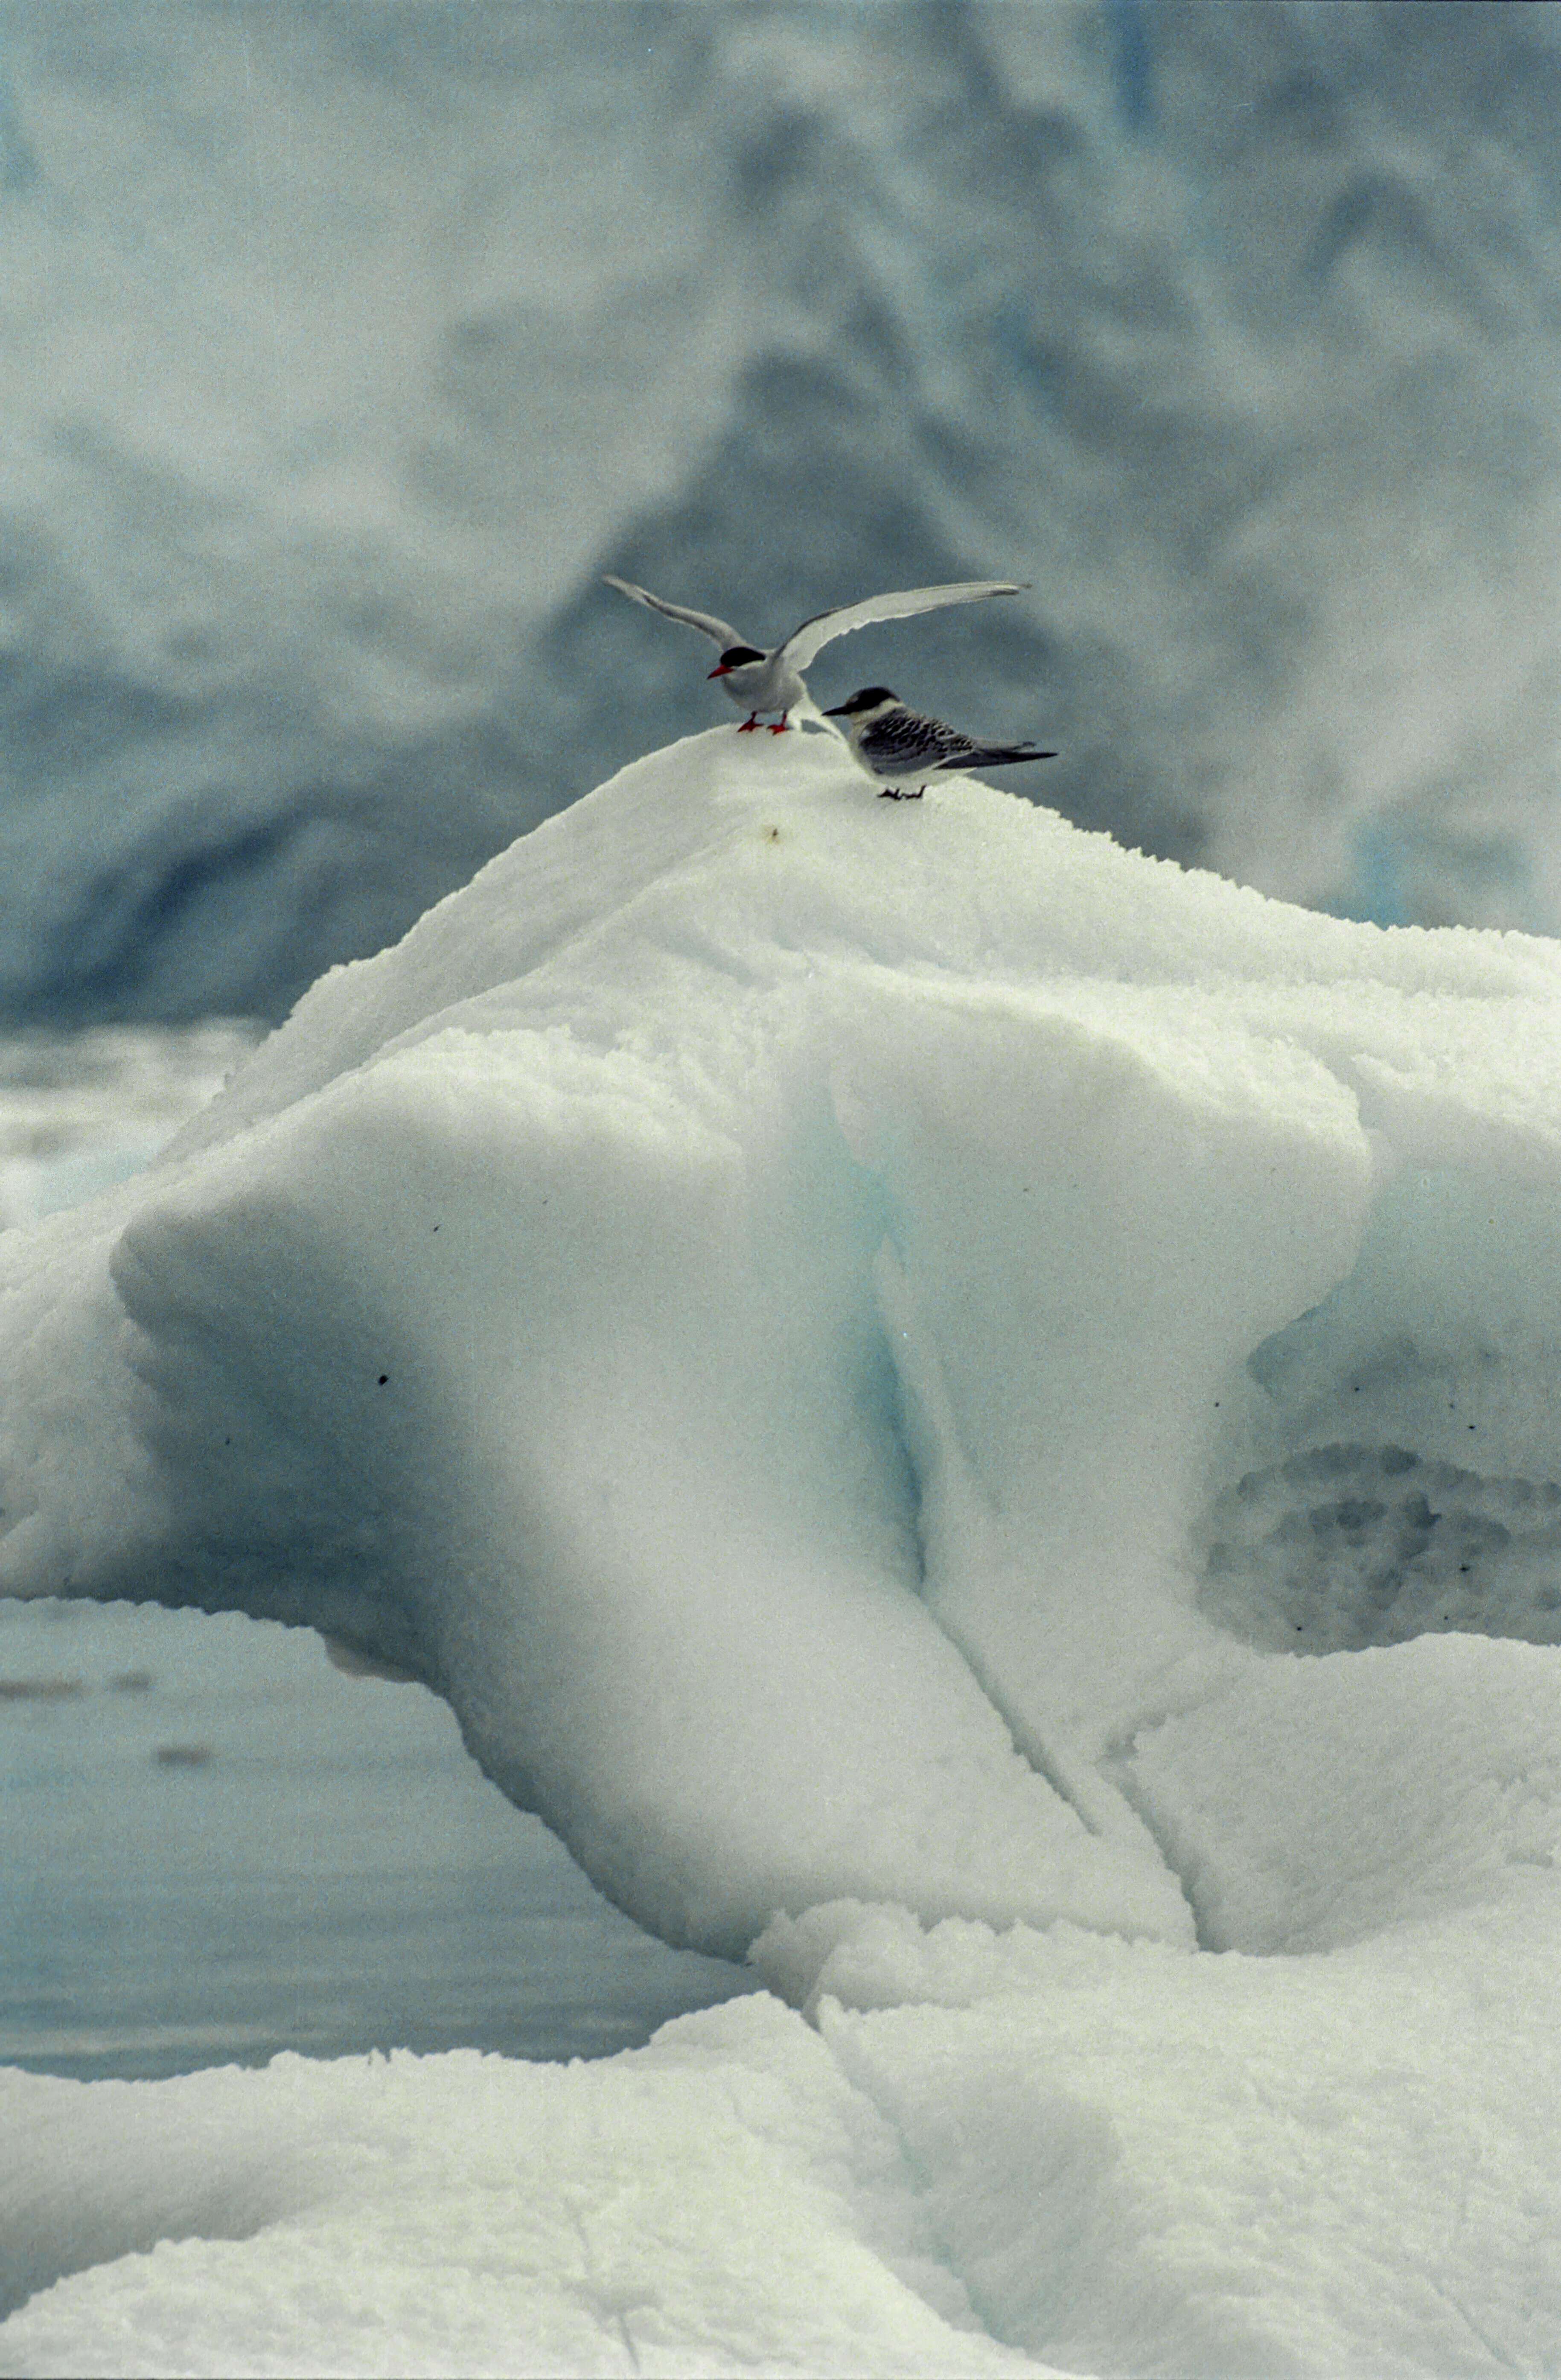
(756,1298)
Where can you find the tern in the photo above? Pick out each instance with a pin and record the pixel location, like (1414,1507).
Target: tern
(901,749)
(758,681)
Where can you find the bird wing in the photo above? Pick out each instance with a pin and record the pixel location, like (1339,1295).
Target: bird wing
(720,635)
(824,626)
(905,737)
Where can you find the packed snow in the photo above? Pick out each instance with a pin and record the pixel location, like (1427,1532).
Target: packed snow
(920,1383)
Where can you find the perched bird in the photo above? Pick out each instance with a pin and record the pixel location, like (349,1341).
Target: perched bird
(900,748)
(758,681)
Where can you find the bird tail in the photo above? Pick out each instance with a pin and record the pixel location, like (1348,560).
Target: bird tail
(992,756)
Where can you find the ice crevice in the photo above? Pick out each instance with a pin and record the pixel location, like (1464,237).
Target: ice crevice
(825,1350)
(852,1432)
(953,1509)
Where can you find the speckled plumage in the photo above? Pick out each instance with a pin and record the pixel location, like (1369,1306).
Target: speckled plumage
(902,747)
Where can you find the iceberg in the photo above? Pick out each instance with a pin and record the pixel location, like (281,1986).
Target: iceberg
(964,1413)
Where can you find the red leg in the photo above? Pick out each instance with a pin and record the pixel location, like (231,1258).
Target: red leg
(749,725)
(781,728)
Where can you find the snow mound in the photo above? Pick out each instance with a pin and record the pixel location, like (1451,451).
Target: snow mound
(678,2209)
(1077,2153)
(763,1300)
(921,1383)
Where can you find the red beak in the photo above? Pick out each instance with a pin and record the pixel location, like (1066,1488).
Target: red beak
(722,668)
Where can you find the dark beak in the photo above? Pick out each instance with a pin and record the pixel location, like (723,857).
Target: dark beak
(838,712)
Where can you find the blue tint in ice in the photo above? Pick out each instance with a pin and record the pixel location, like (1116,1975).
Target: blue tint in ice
(19,165)
(1149,1995)
(1135,62)
(1380,875)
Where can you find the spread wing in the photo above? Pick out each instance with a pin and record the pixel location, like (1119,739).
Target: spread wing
(824,626)
(720,635)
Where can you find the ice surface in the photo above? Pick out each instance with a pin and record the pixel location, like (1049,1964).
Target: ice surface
(1048,2151)
(724,2201)
(769,1301)
(757,1298)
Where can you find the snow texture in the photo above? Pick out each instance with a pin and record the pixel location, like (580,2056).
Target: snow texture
(1050,2153)
(901,1368)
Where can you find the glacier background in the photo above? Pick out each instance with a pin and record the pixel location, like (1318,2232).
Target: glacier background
(344,349)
